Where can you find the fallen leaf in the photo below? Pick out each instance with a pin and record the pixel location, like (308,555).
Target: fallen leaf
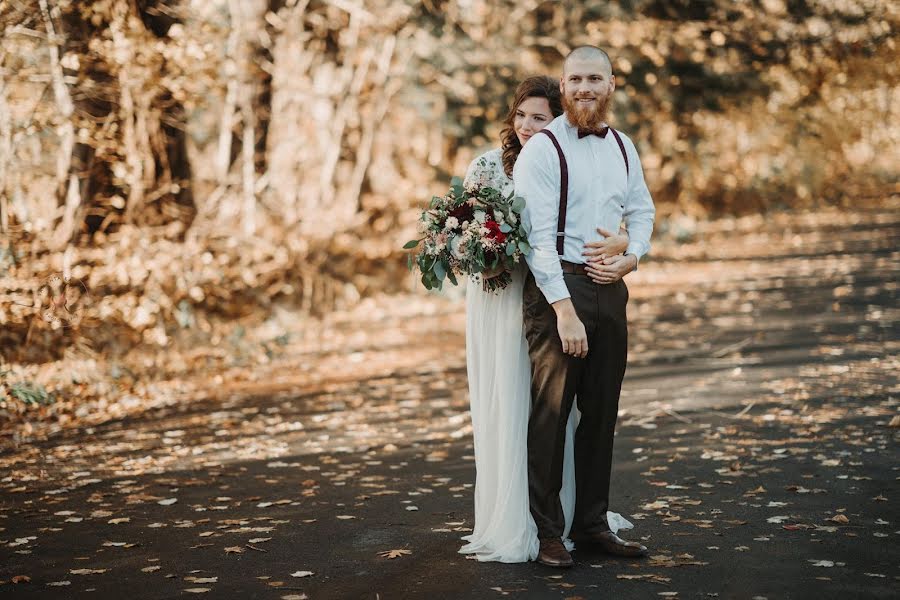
(234,550)
(649,577)
(821,563)
(87,571)
(302,574)
(259,540)
(202,579)
(119,520)
(168,501)
(151,569)
(842,519)
(197,590)
(21,579)
(59,583)
(394,553)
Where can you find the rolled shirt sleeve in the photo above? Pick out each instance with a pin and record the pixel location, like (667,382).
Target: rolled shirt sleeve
(639,212)
(536,179)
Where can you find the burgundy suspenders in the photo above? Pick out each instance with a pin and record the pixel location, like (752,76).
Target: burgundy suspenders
(622,148)
(563,193)
(564,186)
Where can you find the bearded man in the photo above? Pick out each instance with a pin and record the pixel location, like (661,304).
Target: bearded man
(578,176)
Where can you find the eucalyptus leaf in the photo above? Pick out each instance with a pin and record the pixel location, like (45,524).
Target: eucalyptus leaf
(518,204)
(505,228)
(411,244)
(440,271)
(524,247)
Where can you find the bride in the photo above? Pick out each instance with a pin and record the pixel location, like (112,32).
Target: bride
(499,370)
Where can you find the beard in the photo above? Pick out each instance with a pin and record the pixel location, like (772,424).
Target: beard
(591,117)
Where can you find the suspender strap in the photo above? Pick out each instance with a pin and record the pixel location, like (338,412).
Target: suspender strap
(564,185)
(563,193)
(621,147)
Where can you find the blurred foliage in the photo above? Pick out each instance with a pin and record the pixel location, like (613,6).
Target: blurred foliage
(184,157)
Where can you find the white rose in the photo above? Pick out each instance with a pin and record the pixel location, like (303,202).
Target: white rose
(455,243)
(480,216)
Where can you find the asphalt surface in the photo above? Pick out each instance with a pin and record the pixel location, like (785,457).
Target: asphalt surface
(756,454)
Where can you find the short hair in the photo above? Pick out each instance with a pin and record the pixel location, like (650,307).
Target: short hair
(587,51)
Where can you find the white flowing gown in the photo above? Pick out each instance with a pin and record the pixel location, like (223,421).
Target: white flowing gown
(499,374)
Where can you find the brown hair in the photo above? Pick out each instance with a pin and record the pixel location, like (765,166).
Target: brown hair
(539,86)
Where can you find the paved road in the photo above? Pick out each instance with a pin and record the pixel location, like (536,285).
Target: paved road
(756,452)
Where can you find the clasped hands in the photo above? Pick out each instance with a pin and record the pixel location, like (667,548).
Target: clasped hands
(604,261)
(604,264)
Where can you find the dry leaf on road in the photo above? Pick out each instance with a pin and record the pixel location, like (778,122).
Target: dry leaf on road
(821,563)
(87,571)
(394,553)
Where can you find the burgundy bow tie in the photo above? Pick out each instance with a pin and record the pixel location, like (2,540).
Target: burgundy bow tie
(598,132)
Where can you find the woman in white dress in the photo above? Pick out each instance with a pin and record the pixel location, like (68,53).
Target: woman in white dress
(499,370)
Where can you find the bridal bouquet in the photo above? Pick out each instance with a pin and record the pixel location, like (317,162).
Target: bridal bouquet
(469,231)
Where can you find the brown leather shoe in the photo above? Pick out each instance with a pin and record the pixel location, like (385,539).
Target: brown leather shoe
(610,543)
(554,554)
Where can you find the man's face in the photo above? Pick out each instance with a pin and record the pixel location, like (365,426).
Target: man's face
(587,86)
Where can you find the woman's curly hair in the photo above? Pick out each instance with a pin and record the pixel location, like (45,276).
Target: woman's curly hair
(539,86)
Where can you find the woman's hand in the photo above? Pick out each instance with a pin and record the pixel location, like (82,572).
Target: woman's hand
(611,245)
(603,259)
(611,269)
(493,272)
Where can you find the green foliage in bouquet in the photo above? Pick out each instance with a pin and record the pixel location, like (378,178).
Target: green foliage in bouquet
(468,232)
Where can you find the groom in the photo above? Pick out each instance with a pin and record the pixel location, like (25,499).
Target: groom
(578,176)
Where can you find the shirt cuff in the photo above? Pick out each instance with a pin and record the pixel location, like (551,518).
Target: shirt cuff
(637,259)
(554,292)
(636,250)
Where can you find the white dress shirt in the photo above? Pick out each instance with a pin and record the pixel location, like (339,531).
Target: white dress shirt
(601,194)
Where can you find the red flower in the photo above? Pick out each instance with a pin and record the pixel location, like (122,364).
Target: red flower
(495,233)
(463,212)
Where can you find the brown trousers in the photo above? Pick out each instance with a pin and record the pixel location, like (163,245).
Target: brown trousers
(556,379)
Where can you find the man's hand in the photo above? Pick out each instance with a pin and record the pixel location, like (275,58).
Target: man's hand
(611,245)
(571,329)
(612,269)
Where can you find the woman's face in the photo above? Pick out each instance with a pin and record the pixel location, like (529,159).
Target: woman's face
(532,115)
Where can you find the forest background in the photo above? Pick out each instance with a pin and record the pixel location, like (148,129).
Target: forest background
(195,173)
